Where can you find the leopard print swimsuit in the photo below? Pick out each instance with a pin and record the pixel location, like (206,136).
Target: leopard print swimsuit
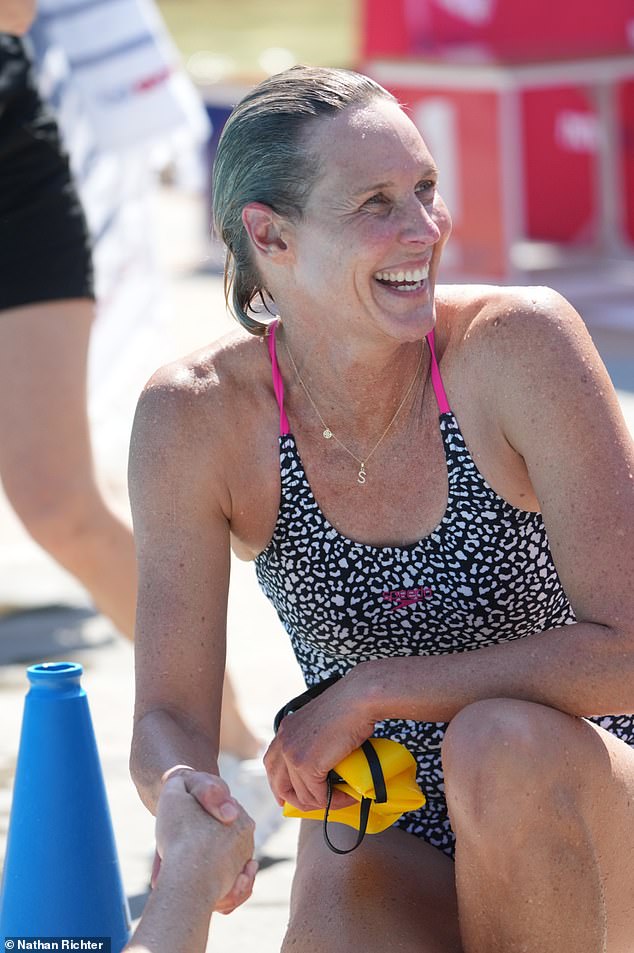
(484,575)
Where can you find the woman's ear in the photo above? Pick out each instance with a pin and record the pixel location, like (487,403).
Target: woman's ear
(264,228)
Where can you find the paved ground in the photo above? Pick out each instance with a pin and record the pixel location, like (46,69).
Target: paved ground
(265,672)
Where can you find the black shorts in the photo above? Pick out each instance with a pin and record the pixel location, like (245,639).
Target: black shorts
(45,249)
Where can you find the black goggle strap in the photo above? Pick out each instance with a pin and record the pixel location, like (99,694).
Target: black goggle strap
(378,781)
(380,791)
(300,700)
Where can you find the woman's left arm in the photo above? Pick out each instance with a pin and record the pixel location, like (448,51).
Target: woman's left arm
(556,408)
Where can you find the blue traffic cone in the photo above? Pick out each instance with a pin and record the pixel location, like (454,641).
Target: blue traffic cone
(61,874)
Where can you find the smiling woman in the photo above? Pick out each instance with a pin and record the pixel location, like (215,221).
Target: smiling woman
(469,582)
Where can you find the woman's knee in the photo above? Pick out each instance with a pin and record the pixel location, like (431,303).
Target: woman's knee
(506,758)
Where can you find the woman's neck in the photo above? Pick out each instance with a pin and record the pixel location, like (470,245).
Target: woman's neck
(350,389)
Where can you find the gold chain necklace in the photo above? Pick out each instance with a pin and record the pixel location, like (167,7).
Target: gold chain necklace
(328,433)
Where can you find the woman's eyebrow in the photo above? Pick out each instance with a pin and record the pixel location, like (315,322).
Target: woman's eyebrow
(372,188)
(429,170)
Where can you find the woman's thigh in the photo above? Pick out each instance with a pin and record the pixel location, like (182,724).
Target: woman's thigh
(394,892)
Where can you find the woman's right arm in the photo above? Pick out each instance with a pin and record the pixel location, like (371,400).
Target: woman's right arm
(181,510)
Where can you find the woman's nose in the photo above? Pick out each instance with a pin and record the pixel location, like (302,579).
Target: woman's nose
(419,224)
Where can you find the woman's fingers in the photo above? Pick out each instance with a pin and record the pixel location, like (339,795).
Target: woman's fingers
(193,816)
(300,785)
(341,799)
(213,795)
(310,798)
(286,782)
(241,890)
(303,797)
(313,740)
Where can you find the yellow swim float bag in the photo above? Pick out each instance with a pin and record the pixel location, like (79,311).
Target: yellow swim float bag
(380,776)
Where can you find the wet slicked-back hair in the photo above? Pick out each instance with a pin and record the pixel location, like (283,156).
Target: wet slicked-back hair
(262,157)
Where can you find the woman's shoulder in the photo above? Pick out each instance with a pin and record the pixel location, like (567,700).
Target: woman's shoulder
(203,428)
(519,321)
(203,396)
(477,306)
(526,352)
(218,373)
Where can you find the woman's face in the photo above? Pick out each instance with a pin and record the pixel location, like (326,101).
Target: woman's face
(368,246)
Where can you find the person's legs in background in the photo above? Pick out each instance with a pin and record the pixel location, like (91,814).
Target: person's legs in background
(46,460)
(46,314)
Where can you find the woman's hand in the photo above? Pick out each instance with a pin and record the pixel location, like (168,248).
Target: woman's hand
(312,740)
(227,846)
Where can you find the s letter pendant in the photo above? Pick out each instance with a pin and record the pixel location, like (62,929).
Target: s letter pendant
(361,477)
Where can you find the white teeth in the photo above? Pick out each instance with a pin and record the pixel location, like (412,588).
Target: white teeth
(418,274)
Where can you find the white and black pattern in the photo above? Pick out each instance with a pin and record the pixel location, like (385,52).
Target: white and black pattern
(484,575)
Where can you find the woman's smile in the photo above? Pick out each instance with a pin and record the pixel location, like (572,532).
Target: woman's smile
(403,280)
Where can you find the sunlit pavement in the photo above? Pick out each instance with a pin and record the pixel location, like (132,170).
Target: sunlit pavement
(260,658)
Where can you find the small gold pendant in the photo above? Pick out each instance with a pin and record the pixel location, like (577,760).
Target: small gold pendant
(328,433)
(361,477)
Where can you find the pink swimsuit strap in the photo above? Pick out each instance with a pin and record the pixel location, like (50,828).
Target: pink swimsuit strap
(278,383)
(436,379)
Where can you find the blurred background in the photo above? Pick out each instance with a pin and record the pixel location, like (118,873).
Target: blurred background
(529,112)
(243,38)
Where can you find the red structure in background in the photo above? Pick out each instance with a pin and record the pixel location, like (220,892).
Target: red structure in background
(529,111)
(497,30)
(383,30)
(560,130)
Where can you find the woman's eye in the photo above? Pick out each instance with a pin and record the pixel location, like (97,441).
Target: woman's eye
(425,190)
(426,187)
(378,199)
